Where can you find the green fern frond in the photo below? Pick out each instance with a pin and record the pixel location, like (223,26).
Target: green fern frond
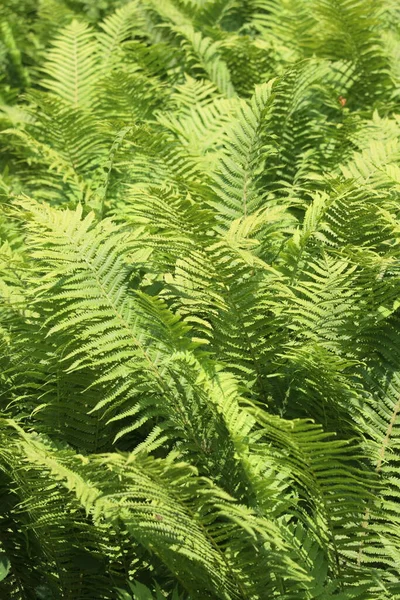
(72,67)
(236,178)
(116,29)
(204,54)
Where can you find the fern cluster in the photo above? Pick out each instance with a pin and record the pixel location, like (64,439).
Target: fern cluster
(199,300)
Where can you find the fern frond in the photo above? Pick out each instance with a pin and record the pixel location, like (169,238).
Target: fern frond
(236,179)
(205,54)
(116,29)
(72,67)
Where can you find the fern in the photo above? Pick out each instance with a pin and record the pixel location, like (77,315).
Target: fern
(199,295)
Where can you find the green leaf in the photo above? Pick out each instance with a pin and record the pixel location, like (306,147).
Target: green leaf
(140,591)
(5,566)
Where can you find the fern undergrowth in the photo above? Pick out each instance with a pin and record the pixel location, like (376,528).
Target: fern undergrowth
(199,299)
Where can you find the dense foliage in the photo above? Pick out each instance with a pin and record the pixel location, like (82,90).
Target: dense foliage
(200,293)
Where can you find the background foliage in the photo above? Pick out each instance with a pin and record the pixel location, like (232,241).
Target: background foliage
(200,292)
